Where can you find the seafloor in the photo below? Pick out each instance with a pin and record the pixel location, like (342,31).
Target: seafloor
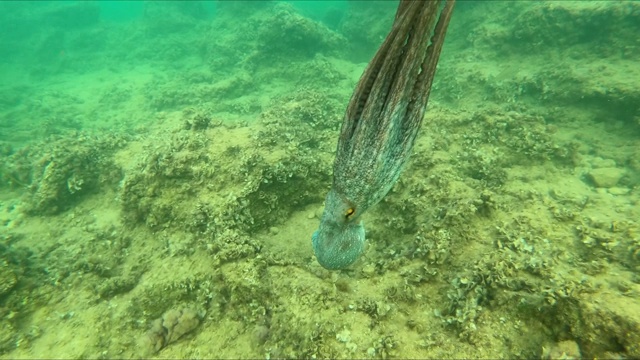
(160,181)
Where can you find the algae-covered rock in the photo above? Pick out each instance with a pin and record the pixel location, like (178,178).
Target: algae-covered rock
(603,323)
(64,169)
(284,32)
(567,349)
(168,329)
(606,177)
(116,285)
(8,336)
(8,279)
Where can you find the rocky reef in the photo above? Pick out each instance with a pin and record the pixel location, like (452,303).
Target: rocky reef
(171,210)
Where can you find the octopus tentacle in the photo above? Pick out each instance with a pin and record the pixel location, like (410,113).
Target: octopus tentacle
(380,126)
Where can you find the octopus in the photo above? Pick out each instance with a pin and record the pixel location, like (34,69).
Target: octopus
(380,126)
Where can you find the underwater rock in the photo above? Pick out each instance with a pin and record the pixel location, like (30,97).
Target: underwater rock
(8,279)
(606,177)
(60,170)
(567,349)
(599,162)
(619,190)
(285,31)
(199,121)
(168,329)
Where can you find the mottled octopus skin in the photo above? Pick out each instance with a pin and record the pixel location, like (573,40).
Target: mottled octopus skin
(380,126)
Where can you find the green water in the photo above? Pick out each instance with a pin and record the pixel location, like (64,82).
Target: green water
(163,166)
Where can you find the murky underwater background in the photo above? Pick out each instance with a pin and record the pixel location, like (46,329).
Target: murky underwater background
(163,166)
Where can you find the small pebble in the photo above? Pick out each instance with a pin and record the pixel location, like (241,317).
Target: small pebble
(368,270)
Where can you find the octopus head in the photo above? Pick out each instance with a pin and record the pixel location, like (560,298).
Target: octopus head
(339,241)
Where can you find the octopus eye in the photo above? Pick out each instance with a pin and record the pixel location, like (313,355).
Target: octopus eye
(349,212)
